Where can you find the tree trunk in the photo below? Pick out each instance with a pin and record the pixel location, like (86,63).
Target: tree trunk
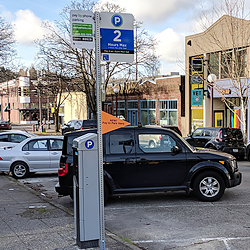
(57,120)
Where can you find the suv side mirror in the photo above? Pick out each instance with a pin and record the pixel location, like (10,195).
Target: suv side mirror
(176,149)
(189,135)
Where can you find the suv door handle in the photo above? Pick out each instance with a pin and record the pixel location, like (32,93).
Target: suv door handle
(130,160)
(142,160)
(54,153)
(26,153)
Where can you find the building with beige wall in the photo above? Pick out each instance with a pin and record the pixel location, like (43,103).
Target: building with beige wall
(74,107)
(223,50)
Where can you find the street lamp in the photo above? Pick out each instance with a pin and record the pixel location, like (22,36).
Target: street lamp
(116,91)
(211,78)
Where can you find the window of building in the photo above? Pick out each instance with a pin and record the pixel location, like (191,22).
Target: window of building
(168,112)
(214,64)
(241,62)
(226,64)
(132,104)
(120,109)
(148,112)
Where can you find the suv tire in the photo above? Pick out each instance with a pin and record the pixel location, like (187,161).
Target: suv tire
(209,186)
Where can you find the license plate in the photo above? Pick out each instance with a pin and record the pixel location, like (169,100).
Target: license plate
(235,150)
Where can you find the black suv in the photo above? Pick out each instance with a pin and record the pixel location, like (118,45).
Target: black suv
(229,140)
(73,125)
(131,164)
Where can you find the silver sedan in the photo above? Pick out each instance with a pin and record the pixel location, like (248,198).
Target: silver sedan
(13,137)
(37,154)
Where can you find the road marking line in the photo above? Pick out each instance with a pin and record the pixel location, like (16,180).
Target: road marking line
(174,206)
(225,240)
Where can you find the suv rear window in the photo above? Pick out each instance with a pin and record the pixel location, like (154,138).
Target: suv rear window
(233,133)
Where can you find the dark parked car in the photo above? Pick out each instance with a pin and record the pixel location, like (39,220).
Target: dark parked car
(73,125)
(229,140)
(5,125)
(132,165)
(174,128)
(248,151)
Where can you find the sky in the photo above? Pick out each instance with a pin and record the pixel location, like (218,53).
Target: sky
(169,21)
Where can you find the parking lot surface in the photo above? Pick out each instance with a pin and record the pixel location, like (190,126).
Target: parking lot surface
(172,220)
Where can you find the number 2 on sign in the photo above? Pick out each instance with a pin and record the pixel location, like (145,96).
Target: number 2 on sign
(117,38)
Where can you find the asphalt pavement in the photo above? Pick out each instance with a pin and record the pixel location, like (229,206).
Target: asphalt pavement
(30,221)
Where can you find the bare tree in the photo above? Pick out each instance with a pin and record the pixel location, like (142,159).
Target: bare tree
(225,42)
(56,48)
(7,42)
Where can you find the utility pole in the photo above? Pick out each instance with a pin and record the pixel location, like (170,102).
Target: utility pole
(8,101)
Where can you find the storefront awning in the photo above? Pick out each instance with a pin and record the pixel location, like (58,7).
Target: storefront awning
(227,87)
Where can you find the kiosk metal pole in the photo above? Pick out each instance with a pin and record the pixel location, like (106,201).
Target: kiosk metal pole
(99,127)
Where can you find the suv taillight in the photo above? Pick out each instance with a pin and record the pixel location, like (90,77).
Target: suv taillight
(63,170)
(81,128)
(220,136)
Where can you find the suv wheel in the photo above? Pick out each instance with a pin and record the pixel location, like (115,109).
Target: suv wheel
(209,186)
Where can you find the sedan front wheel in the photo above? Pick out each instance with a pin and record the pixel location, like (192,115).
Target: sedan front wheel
(209,186)
(20,170)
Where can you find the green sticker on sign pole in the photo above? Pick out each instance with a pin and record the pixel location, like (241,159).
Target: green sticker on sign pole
(81,29)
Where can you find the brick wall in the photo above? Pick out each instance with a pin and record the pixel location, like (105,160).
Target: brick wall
(166,88)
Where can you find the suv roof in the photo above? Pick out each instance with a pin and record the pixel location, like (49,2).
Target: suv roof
(172,127)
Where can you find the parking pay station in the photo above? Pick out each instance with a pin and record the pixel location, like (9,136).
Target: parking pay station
(86,191)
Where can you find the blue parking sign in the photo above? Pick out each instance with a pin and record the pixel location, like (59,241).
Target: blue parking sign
(117,37)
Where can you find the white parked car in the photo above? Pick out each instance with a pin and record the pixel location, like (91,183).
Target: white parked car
(13,137)
(35,154)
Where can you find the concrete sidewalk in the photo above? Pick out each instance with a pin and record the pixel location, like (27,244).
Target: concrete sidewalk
(29,221)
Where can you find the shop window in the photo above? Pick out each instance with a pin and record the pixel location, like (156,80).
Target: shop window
(132,104)
(148,112)
(168,112)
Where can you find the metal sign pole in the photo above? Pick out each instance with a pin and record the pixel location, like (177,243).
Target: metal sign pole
(99,127)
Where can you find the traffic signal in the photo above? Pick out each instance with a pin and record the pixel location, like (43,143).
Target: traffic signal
(35,92)
(19,91)
(25,92)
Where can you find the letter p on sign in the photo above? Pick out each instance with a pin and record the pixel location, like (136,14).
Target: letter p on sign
(116,20)
(89,144)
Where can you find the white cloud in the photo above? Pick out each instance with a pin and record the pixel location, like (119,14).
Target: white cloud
(27,27)
(154,10)
(170,46)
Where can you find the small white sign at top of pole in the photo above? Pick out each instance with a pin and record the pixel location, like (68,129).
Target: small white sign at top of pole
(82,28)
